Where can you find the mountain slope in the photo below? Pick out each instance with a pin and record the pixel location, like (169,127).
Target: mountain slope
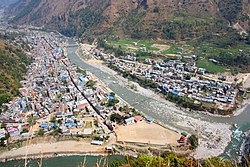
(13,67)
(134,18)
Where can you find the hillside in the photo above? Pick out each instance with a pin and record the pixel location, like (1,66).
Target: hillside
(169,19)
(172,160)
(13,67)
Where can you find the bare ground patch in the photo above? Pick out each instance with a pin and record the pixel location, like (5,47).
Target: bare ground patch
(143,132)
(161,47)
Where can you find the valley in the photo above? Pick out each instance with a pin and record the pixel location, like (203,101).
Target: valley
(157,82)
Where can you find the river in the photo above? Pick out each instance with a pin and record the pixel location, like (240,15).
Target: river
(69,161)
(165,112)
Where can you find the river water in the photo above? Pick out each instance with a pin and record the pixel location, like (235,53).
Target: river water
(69,161)
(165,112)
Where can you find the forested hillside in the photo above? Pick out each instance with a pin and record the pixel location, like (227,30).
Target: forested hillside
(167,19)
(12,69)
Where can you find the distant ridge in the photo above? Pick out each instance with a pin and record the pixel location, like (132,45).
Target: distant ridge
(169,19)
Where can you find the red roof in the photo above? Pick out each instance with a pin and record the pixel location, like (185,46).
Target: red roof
(138,118)
(26,127)
(182,139)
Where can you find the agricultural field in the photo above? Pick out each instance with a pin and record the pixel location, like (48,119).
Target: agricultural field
(130,44)
(209,66)
(223,49)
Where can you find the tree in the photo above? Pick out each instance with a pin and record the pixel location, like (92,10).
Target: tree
(3,125)
(193,140)
(25,131)
(41,132)
(117,118)
(31,120)
(90,84)
(169,33)
(112,94)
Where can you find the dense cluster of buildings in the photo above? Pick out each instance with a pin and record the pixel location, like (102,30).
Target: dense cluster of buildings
(57,97)
(179,78)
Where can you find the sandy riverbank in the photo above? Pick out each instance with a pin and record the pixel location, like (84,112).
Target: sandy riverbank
(213,137)
(52,149)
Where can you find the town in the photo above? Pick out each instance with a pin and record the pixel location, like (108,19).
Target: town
(58,98)
(178,78)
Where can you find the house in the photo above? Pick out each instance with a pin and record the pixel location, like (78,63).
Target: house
(82,104)
(184,133)
(109,149)
(2,133)
(138,118)
(182,139)
(97,142)
(44,126)
(130,120)
(25,136)
(65,131)
(134,43)
(149,120)
(58,114)
(13,131)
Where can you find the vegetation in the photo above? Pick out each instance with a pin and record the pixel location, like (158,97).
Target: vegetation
(174,49)
(171,160)
(25,131)
(193,140)
(31,120)
(142,81)
(230,9)
(13,67)
(56,131)
(183,101)
(209,66)
(230,50)
(81,21)
(3,125)
(88,125)
(112,102)
(91,84)
(40,132)
(27,9)
(117,118)
(139,43)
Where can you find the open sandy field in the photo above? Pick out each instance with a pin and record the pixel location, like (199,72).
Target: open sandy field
(45,148)
(143,132)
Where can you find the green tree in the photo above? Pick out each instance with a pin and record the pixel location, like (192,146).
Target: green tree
(31,120)
(40,132)
(112,94)
(116,118)
(3,125)
(193,140)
